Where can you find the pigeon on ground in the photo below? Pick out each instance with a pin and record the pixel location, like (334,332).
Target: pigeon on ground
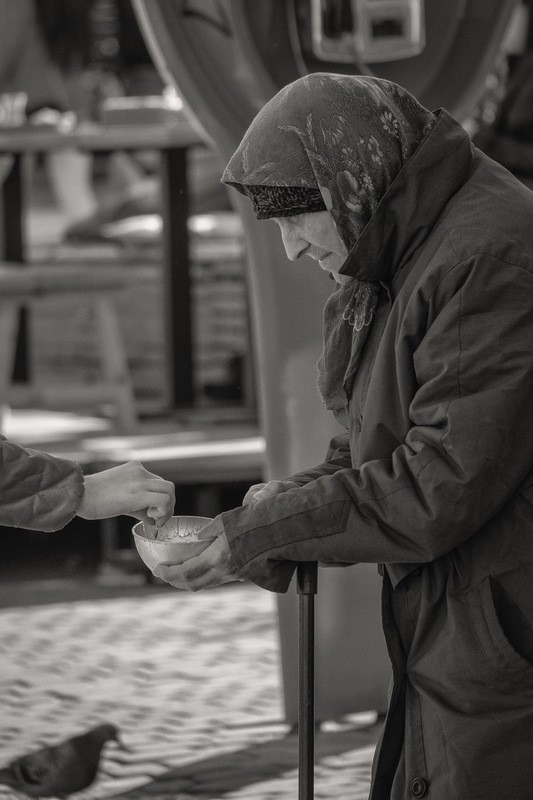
(59,770)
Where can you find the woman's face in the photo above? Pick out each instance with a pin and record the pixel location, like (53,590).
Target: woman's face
(315,235)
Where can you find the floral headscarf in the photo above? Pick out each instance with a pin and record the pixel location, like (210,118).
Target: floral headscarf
(349,137)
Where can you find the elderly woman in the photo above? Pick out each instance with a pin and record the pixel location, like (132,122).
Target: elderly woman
(428,363)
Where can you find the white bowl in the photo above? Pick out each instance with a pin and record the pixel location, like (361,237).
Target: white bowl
(173,543)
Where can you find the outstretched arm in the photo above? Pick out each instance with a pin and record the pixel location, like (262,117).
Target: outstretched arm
(43,493)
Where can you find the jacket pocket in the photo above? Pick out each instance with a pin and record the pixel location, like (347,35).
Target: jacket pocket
(495,639)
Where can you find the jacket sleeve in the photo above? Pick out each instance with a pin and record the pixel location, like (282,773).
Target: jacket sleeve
(337,457)
(468,451)
(38,492)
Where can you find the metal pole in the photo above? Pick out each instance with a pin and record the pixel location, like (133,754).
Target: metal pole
(13,247)
(177,277)
(307,574)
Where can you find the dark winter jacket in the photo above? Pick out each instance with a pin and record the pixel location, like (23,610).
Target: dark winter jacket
(38,492)
(433,480)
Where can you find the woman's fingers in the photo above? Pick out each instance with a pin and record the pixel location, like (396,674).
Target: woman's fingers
(260,491)
(272,488)
(266,491)
(211,568)
(249,497)
(181,577)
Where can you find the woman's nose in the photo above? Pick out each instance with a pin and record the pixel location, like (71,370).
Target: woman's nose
(294,245)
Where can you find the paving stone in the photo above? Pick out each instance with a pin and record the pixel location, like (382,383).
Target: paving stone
(193,683)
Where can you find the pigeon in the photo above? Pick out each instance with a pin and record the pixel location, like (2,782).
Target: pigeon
(62,769)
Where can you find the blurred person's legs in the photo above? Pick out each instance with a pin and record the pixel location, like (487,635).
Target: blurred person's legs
(6,162)
(70,175)
(26,66)
(131,186)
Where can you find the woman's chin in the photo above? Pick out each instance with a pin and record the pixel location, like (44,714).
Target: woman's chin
(342,279)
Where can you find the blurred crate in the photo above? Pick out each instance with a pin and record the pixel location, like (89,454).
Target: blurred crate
(64,344)
(49,290)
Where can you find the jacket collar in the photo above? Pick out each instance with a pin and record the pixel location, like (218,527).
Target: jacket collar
(412,204)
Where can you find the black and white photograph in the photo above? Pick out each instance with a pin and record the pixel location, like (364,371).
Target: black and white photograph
(266,399)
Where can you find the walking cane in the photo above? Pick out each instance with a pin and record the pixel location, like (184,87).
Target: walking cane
(307,575)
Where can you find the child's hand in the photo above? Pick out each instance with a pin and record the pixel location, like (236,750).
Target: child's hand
(127,489)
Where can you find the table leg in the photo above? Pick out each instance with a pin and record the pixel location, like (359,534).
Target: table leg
(13,251)
(177,278)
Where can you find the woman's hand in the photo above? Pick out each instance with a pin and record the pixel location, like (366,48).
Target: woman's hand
(127,489)
(260,491)
(211,568)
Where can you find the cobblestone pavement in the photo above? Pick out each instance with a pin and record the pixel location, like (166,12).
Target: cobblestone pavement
(193,684)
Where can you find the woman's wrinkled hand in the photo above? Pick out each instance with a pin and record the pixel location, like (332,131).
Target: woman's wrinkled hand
(261,491)
(127,489)
(211,568)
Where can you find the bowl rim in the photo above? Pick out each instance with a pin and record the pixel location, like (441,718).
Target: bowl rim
(171,541)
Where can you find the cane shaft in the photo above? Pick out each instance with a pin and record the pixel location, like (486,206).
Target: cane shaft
(307,587)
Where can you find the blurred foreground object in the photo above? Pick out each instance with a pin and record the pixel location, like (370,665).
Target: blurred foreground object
(62,769)
(13,108)
(509,139)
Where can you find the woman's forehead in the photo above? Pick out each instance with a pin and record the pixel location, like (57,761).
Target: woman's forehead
(317,223)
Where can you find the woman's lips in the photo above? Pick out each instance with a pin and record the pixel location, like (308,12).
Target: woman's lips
(322,262)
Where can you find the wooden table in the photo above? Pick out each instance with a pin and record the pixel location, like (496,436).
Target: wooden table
(172,141)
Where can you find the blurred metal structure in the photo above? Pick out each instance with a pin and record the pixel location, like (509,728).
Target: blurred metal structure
(366,31)
(227,58)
